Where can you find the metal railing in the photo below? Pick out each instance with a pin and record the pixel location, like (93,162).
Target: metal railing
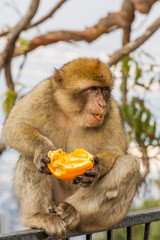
(133,218)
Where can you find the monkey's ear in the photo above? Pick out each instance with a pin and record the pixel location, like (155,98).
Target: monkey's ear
(58,77)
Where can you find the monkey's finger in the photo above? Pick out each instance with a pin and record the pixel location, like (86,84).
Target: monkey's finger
(45,170)
(82,180)
(45,160)
(91,173)
(96,160)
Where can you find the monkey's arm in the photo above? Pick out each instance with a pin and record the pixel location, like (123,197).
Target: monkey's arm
(107,158)
(104,161)
(26,139)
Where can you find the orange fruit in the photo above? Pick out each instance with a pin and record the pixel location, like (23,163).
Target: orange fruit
(67,166)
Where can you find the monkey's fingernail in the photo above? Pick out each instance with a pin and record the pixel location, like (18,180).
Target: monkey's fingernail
(96,159)
(90,173)
(51,211)
(75,181)
(45,160)
(78,178)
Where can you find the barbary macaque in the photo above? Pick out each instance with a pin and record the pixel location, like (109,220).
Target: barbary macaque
(74,108)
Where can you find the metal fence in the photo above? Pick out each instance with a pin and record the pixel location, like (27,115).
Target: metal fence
(133,218)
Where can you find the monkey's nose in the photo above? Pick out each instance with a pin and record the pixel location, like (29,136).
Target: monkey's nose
(102,105)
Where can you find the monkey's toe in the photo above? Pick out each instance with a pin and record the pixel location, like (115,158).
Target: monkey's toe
(66,212)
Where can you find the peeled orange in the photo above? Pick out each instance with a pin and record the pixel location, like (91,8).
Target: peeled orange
(67,166)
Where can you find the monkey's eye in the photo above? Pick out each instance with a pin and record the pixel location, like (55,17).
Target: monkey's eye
(93,88)
(105,91)
(105,88)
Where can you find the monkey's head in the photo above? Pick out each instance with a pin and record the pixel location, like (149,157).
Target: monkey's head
(82,91)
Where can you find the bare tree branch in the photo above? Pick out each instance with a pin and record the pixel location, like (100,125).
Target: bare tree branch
(5,58)
(49,15)
(105,25)
(135,44)
(127,11)
(122,19)
(2,145)
(143,6)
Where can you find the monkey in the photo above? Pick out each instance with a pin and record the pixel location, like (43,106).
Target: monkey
(74,108)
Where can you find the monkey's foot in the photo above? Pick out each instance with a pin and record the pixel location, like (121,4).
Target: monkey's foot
(66,212)
(56,227)
(51,223)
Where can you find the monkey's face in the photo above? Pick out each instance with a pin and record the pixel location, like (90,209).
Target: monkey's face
(82,90)
(86,108)
(96,106)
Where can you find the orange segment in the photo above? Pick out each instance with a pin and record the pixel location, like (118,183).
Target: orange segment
(67,166)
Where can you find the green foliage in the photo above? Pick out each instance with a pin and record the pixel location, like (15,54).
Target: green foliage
(10,98)
(125,65)
(23,43)
(141,124)
(138,73)
(138,232)
(139,120)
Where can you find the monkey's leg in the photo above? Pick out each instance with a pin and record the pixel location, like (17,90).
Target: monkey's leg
(34,192)
(106,202)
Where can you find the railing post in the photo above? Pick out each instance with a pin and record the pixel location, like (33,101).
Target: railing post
(89,237)
(147,231)
(110,235)
(129,233)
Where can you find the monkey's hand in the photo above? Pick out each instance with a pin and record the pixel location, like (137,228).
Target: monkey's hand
(66,212)
(90,176)
(41,160)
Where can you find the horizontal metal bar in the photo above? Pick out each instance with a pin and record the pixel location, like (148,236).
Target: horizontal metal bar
(133,218)
(30,234)
(139,217)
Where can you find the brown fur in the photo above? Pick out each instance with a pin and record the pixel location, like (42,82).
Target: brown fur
(55,115)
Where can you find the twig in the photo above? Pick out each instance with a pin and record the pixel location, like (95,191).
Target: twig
(49,15)
(131,46)
(105,25)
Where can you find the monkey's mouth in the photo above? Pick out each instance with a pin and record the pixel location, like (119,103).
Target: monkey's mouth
(97,116)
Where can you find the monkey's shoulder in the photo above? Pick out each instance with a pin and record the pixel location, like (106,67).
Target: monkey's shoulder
(35,104)
(42,92)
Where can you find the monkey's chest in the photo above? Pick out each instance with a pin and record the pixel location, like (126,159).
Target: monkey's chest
(70,138)
(86,140)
